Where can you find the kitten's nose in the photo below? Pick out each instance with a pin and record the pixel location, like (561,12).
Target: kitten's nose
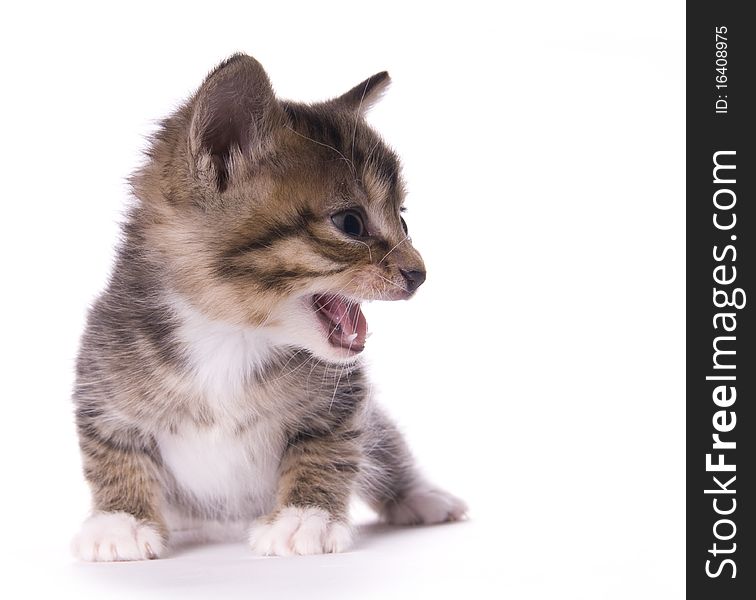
(414,279)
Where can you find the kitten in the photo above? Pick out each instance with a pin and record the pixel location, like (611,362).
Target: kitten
(219,375)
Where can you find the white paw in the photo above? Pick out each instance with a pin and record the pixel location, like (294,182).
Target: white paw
(116,536)
(296,530)
(425,505)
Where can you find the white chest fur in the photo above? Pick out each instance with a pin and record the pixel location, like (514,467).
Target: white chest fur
(222,356)
(226,473)
(229,469)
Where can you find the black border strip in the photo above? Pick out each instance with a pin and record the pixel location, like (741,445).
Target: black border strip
(720,261)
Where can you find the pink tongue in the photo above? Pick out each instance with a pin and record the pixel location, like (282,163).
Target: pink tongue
(349,318)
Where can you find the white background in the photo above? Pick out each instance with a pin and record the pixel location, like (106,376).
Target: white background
(539,371)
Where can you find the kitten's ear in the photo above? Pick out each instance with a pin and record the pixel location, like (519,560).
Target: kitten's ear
(235,110)
(363,96)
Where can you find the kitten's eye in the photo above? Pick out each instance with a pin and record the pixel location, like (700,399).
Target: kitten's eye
(350,222)
(404,225)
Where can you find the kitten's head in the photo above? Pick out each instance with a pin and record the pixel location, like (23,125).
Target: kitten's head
(277,214)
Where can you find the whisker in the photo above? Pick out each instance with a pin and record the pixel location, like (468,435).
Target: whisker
(292,370)
(370,154)
(339,292)
(336,388)
(357,117)
(349,162)
(391,282)
(370,252)
(406,237)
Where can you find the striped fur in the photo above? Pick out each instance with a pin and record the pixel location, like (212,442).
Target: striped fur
(205,388)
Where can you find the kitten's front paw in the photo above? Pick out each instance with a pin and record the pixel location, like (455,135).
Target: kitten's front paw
(297,530)
(425,505)
(117,536)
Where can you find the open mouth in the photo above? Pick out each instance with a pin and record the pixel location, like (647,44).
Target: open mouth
(344,323)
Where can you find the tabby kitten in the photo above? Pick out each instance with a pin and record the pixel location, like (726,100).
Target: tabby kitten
(219,376)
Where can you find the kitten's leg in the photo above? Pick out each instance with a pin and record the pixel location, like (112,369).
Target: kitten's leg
(126,523)
(391,484)
(317,478)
